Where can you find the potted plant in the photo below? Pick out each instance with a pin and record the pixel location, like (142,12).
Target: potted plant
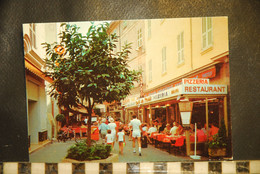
(81,152)
(60,118)
(217,146)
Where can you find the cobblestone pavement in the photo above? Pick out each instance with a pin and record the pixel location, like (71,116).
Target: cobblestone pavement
(56,151)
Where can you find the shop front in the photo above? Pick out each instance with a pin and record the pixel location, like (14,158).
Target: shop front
(209,103)
(132,107)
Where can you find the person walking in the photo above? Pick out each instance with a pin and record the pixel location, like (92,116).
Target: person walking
(103,129)
(112,127)
(135,124)
(109,138)
(121,140)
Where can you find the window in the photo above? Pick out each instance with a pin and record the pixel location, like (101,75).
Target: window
(150,70)
(180,45)
(139,38)
(115,33)
(32,35)
(207,37)
(149,29)
(163,60)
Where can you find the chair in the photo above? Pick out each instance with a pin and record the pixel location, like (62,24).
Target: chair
(178,143)
(202,138)
(167,141)
(192,138)
(84,131)
(77,131)
(94,133)
(160,138)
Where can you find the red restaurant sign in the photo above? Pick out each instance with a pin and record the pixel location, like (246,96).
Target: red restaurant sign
(210,73)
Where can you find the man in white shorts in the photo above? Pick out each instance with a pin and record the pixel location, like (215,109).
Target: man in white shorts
(135,124)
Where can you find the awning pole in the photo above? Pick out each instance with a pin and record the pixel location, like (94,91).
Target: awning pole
(150,114)
(225,114)
(207,117)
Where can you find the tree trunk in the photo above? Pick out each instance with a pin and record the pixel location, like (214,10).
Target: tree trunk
(89,130)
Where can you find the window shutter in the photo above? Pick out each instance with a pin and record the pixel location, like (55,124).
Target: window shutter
(207,35)
(149,29)
(139,38)
(182,46)
(209,25)
(203,25)
(164,60)
(204,33)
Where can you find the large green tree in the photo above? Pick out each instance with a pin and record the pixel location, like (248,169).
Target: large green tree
(86,69)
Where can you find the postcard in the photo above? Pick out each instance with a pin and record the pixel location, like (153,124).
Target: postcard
(152,90)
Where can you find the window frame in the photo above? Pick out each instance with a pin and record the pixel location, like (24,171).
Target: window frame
(164,60)
(149,28)
(32,29)
(180,47)
(207,33)
(139,38)
(150,70)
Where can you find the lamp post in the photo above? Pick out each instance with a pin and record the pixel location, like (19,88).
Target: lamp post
(185,107)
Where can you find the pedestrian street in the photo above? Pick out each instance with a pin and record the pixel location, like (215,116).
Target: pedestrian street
(56,152)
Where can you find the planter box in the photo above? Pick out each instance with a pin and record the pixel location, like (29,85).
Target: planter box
(112,158)
(218,152)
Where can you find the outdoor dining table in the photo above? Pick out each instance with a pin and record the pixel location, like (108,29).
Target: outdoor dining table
(153,136)
(170,140)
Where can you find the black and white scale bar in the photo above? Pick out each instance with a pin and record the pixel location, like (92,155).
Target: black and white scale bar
(227,167)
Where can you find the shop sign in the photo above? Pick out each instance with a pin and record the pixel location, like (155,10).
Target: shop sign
(210,73)
(175,91)
(131,104)
(194,81)
(147,99)
(160,95)
(204,89)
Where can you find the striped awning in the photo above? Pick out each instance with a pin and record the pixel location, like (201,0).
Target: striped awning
(36,71)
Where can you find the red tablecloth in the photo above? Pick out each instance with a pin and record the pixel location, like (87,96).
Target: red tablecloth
(168,139)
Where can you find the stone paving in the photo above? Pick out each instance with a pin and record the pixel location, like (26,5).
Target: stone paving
(57,151)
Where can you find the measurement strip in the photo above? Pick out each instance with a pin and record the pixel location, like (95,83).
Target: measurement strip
(124,168)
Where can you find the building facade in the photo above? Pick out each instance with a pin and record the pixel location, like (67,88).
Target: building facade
(176,51)
(41,108)
(131,32)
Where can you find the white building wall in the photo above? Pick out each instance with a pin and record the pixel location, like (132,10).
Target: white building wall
(36,109)
(33,120)
(42,109)
(37,102)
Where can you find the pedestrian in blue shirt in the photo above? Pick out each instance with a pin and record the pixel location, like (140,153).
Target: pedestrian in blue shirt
(103,127)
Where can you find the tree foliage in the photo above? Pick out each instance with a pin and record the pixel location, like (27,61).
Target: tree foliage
(87,70)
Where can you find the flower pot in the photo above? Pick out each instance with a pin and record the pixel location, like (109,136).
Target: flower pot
(217,152)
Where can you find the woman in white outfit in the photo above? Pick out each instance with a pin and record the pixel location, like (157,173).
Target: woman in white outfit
(112,127)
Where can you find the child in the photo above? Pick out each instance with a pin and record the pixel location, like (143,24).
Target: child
(109,138)
(121,139)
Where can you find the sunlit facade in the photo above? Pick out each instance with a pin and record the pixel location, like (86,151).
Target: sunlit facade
(41,108)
